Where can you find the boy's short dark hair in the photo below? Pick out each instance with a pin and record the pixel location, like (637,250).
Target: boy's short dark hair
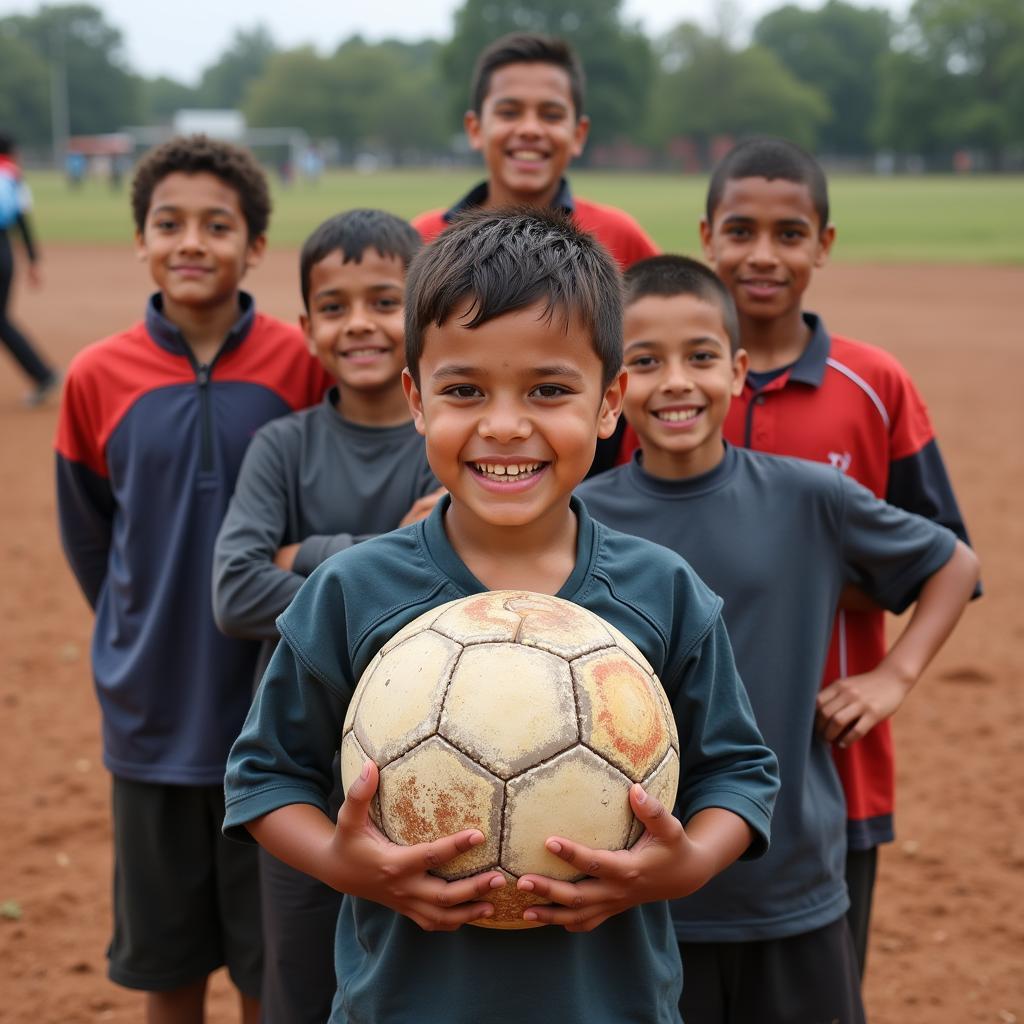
(353,232)
(527,48)
(6,144)
(771,158)
(199,154)
(506,260)
(679,275)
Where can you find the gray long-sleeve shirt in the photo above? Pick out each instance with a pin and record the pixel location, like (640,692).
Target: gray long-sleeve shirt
(313,479)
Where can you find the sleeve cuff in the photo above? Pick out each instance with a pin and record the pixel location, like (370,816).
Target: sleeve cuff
(752,812)
(243,808)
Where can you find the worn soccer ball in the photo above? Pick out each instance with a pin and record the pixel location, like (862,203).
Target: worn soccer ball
(518,714)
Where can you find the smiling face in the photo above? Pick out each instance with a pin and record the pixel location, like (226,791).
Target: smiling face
(765,241)
(355,328)
(511,411)
(195,242)
(682,377)
(527,132)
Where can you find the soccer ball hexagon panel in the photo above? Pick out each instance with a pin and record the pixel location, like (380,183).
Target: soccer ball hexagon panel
(509,707)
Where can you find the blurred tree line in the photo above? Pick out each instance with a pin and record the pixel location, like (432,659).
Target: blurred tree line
(844,80)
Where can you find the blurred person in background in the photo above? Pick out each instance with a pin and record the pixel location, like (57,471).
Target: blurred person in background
(15,202)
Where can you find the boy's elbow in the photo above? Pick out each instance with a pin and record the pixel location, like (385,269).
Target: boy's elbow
(227,622)
(243,606)
(968,563)
(960,576)
(229,610)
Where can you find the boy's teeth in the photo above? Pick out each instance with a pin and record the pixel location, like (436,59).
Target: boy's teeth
(511,470)
(675,416)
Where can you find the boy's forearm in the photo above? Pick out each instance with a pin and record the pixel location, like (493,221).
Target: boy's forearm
(318,548)
(719,838)
(246,605)
(299,835)
(249,590)
(938,608)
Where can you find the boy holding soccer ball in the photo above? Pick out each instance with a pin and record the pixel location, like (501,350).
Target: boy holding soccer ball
(513,335)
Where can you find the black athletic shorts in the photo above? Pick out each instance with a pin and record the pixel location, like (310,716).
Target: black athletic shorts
(186,900)
(861,867)
(802,979)
(300,917)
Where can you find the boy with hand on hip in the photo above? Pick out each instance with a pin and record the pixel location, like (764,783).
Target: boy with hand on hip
(830,399)
(513,336)
(154,422)
(526,120)
(779,539)
(312,484)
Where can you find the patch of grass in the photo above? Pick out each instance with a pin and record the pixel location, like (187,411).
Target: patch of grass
(889,220)
(10,910)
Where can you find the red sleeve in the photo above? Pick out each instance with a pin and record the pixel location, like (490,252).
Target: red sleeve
(910,428)
(429,224)
(311,379)
(82,426)
(276,356)
(918,479)
(637,245)
(616,230)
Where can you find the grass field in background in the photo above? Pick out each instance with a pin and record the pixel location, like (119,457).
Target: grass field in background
(891,220)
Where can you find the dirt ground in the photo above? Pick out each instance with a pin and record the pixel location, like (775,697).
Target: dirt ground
(948,939)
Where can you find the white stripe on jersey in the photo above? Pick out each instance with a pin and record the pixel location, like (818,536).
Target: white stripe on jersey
(863,385)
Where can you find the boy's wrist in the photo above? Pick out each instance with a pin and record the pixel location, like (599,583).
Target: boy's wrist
(901,674)
(716,838)
(702,864)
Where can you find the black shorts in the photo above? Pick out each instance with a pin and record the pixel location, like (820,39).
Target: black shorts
(300,918)
(802,979)
(186,900)
(861,867)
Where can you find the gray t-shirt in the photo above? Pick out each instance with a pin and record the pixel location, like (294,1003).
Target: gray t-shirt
(314,479)
(777,538)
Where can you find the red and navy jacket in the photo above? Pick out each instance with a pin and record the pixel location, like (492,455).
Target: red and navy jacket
(855,407)
(149,443)
(619,233)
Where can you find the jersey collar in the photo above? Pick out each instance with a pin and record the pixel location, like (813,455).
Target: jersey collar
(168,335)
(810,367)
(685,487)
(457,572)
(477,196)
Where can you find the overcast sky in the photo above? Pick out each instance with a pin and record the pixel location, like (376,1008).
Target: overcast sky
(182,43)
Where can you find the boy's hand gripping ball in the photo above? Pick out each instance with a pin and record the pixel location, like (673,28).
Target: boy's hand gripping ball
(518,714)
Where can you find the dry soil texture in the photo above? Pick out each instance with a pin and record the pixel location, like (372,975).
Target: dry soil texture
(948,941)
